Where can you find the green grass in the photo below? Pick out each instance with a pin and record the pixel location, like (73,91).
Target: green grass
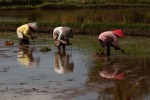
(130,29)
(133,46)
(76,3)
(137,46)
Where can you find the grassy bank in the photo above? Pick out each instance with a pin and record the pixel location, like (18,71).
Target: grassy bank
(75,6)
(133,46)
(95,6)
(74,3)
(84,28)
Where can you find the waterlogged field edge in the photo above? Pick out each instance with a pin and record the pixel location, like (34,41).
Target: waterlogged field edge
(133,46)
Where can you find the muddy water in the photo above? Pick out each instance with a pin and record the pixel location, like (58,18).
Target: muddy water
(25,72)
(28,74)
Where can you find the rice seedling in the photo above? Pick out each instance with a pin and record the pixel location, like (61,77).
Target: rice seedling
(133,46)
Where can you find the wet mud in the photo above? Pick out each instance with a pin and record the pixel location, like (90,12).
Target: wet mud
(26,73)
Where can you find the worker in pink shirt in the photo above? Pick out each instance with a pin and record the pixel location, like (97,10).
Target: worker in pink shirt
(110,38)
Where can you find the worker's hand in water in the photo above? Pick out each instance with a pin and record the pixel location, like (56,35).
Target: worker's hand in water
(32,37)
(69,44)
(122,50)
(64,42)
(118,48)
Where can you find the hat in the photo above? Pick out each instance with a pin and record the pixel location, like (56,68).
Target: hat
(33,26)
(67,32)
(119,33)
(119,76)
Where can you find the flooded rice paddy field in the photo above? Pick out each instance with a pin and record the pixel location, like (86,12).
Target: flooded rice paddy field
(26,73)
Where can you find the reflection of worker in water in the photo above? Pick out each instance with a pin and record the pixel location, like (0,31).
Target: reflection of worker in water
(62,63)
(25,57)
(111,70)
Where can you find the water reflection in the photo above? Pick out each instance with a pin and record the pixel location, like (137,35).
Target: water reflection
(62,64)
(25,57)
(111,70)
(123,78)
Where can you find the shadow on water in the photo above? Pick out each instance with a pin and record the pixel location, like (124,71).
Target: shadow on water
(74,74)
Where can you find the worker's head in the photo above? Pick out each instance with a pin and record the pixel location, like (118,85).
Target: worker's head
(118,33)
(68,32)
(33,26)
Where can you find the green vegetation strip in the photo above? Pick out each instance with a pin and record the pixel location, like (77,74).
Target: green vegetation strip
(133,46)
(130,29)
(74,3)
(83,25)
